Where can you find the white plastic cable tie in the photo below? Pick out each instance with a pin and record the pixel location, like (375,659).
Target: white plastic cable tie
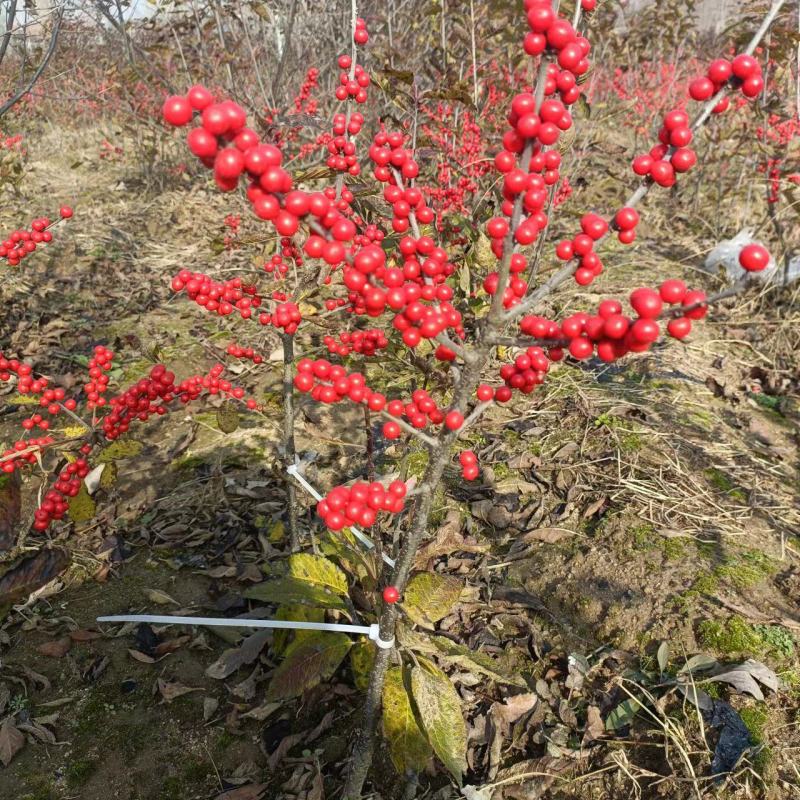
(371,631)
(364,539)
(375,635)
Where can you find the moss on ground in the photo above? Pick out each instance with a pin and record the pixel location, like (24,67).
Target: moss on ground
(755,718)
(721,481)
(736,635)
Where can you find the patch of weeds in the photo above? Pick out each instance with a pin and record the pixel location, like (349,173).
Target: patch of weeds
(189,463)
(721,481)
(755,719)
(631,442)
(502,471)
(747,569)
(535,447)
(79,771)
(732,636)
(511,436)
(777,638)
(699,418)
(642,536)
(417,463)
(706,583)
(673,548)
(225,740)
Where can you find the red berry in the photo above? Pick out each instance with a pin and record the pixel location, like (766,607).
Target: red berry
(65,212)
(177,111)
(454,420)
(754,257)
(701,89)
(390,595)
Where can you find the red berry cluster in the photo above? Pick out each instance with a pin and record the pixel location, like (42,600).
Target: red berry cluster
(555,34)
(672,155)
(244,352)
(341,150)
(469,465)
(152,396)
(276,264)
(24,451)
(367,343)
(360,34)
(392,159)
(593,228)
(270,188)
(56,503)
(331,383)
(99,364)
(360,504)
(22,242)
(528,371)
(421,410)
(223,298)
(744,73)
(286,315)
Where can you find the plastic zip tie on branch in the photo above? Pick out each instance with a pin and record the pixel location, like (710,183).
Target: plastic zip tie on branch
(372,631)
(364,539)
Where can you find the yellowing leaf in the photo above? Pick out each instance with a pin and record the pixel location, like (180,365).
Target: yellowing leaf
(277,531)
(120,449)
(228,417)
(439,708)
(307,310)
(162,598)
(22,400)
(82,507)
(297,613)
(308,662)
(362,657)
(109,476)
(74,431)
(429,597)
(408,747)
(483,252)
(318,571)
(291,591)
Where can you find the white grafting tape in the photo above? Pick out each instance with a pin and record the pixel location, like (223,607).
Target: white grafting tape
(365,540)
(371,631)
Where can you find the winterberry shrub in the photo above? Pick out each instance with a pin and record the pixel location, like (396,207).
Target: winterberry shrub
(374,285)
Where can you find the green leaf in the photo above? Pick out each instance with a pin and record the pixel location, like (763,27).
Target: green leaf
(290,591)
(82,507)
(296,613)
(457,654)
(228,417)
(430,596)
(439,708)
(408,747)
(120,449)
(362,657)
(471,660)
(622,715)
(308,662)
(318,571)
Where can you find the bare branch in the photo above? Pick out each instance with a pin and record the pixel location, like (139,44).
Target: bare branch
(15,98)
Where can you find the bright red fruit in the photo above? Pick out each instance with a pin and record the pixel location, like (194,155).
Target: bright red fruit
(390,595)
(177,111)
(754,257)
(454,420)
